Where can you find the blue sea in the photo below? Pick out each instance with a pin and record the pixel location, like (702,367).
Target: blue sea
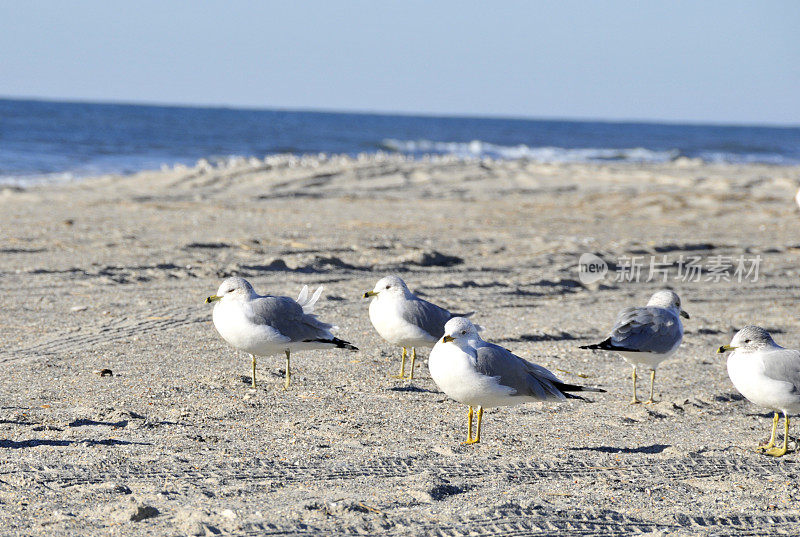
(54,141)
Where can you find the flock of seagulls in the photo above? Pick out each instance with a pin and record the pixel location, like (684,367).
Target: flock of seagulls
(484,375)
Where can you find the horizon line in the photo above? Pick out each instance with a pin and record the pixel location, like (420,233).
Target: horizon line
(432,115)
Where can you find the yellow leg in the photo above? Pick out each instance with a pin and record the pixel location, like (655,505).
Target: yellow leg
(402,366)
(253,380)
(634,400)
(413,359)
(652,383)
(469,426)
(781,451)
(477,437)
(288,372)
(771,442)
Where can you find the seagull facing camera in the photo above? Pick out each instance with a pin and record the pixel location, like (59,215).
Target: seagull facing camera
(767,375)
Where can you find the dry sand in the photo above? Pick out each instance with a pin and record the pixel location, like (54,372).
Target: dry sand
(112,272)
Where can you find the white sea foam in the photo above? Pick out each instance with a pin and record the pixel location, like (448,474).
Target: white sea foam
(34,179)
(722,157)
(479,149)
(407,150)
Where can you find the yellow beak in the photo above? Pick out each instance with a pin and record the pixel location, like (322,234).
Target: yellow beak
(448,339)
(369,294)
(212,298)
(725,348)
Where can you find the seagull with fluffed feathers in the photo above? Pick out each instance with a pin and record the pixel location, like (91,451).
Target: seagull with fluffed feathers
(270,325)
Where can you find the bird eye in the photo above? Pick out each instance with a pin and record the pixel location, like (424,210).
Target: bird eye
(463,332)
(388,286)
(747,341)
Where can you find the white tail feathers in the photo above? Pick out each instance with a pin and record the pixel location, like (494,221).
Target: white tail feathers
(308,303)
(303,296)
(315,297)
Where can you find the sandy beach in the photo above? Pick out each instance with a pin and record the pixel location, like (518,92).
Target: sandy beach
(111,273)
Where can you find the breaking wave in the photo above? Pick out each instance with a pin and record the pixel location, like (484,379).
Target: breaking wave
(480,149)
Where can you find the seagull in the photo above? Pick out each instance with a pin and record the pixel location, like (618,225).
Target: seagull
(269,325)
(484,375)
(647,336)
(767,375)
(404,319)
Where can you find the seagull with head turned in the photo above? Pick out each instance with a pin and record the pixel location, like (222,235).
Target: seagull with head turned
(269,325)
(483,375)
(404,319)
(767,375)
(648,335)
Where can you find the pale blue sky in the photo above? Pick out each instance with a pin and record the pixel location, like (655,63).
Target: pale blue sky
(701,61)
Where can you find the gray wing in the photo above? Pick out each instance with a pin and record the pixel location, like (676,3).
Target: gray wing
(286,316)
(783,364)
(526,378)
(425,315)
(647,329)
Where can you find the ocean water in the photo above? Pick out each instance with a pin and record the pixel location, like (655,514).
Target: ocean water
(52,141)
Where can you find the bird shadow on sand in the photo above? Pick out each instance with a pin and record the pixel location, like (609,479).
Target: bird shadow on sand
(655,448)
(758,414)
(17,422)
(415,389)
(89,423)
(563,336)
(36,442)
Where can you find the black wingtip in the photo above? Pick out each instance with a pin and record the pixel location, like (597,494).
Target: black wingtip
(566,388)
(571,396)
(606,345)
(340,343)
